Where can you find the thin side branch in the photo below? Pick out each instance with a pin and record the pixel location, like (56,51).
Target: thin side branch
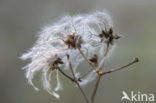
(81,52)
(105,54)
(87,101)
(66,75)
(107,48)
(84,75)
(113,70)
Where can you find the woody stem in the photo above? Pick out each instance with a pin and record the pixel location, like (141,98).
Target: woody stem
(95,88)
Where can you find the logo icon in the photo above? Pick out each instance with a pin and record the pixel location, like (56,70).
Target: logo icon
(137,97)
(125,96)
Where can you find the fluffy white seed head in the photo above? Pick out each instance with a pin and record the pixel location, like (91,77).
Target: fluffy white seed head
(51,45)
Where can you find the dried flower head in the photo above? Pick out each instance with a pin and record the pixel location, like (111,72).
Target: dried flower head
(92,33)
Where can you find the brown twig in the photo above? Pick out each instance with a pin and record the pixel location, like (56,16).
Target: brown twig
(81,52)
(93,67)
(87,101)
(113,70)
(95,88)
(85,74)
(107,48)
(105,54)
(99,74)
(66,75)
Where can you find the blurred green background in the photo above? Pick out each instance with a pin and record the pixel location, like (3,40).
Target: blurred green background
(21,20)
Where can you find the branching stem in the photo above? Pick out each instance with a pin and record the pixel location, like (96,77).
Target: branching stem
(87,101)
(99,74)
(84,75)
(81,52)
(66,75)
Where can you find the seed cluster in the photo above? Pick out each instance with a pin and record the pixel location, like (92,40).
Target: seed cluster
(77,36)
